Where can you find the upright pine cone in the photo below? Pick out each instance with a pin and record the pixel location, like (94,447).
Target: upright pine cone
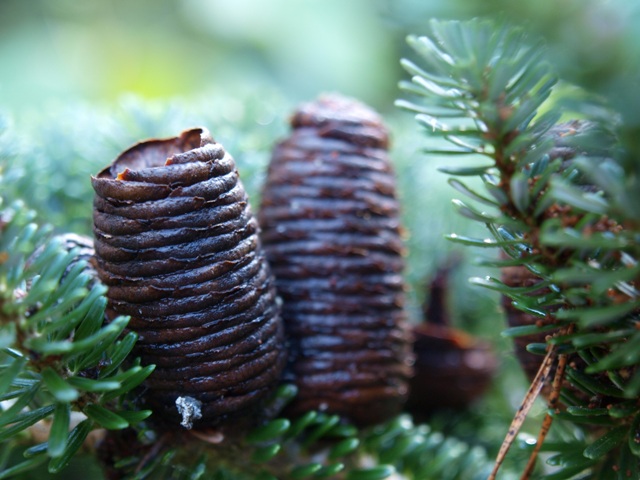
(177,245)
(331,229)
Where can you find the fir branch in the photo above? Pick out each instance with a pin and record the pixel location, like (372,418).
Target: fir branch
(479,89)
(314,445)
(57,356)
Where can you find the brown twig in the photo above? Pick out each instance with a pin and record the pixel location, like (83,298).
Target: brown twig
(532,393)
(554,396)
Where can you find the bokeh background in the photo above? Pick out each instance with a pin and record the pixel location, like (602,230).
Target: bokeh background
(61,50)
(82,80)
(97,50)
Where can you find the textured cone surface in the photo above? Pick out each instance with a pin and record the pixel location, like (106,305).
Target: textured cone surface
(330,222)
(177,245)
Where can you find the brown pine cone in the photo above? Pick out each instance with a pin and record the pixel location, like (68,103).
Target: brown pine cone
(178,247)
(331,229)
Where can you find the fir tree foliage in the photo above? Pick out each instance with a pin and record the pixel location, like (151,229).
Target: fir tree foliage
(481,89)
(57,357)
(414,451)
(313,446)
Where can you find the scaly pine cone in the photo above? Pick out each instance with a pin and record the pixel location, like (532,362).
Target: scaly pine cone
(178,247)
(331,229)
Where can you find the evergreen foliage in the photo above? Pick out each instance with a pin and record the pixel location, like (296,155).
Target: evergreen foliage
(57,356)
(481,90)
(319,445)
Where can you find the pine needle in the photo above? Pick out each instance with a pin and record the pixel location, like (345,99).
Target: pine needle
(534,390)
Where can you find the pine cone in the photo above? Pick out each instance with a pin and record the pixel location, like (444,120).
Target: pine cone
(178,247)
(331,229)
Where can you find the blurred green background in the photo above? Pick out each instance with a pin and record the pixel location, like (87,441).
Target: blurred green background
(97,50)
(56,51)
(82,80)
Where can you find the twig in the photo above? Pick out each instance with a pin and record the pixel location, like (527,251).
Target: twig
(525,407)
(556,386)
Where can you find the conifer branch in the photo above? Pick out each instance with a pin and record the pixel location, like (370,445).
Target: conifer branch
(57,357)
(479,88)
